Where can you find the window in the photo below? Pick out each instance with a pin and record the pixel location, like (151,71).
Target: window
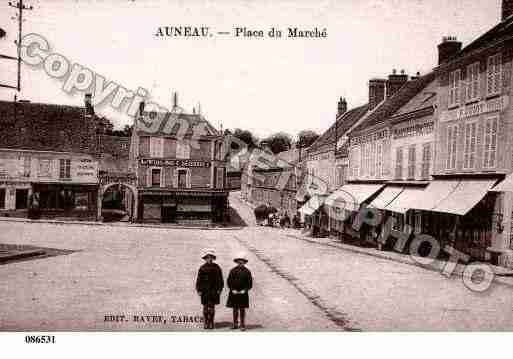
(473,82)
(426,160)
(26,167)
(454,88)
(182,178)
(65,169)
(341,175)
(379,160)
(155,177)
(452,137)
(418,222)
(2,198)
(490,142)
(470,145)
(411,162)
(398,223)
(45,168)
(219,177)
(157,147)
(373,152)
(399,163)
(21,198)
(183,150)
(493,75)
(356,162)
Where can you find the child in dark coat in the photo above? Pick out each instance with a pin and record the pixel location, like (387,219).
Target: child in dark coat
(240,282)
(209,285)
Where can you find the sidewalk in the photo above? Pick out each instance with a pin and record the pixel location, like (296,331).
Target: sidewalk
(502,275)
(118,224)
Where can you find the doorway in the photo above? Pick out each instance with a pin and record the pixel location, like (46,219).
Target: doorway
(168,213)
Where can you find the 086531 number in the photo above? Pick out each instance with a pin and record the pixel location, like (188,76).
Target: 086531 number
(40,339)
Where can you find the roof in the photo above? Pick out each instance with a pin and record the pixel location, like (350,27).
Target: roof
(168,123)
(114,154)
(46,127)
(342,124)
(498,33)
(396,101)
(425,98)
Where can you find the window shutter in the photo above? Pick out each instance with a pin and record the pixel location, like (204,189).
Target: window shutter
(399,163)
(411,162)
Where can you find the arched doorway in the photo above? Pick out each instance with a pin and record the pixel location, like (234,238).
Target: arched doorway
(117,197)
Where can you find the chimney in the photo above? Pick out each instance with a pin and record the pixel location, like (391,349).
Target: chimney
(449,47)
(342,106)
(376,92)
(417,75)
(507,9)
(395,82)
(89,109)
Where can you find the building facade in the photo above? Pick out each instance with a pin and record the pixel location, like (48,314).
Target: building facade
(180,168)
(48,160)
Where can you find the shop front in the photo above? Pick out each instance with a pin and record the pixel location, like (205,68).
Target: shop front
(51,200)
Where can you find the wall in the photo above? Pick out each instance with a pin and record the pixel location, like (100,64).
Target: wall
(367,144)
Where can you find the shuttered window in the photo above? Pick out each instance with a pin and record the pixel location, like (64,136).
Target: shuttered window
(490,142)
(65,169)
(411,162)
(157,147)
(493,75)
(452,138)
(454,87)
(426,160)
(399,163)
(473,82)
(470,145)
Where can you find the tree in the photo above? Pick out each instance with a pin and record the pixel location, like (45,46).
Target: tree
(279,142)
(245,136)
(306,138)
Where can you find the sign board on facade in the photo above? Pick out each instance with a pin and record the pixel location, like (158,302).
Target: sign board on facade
(128,178)
(475,109)
(173,162)
(84,170)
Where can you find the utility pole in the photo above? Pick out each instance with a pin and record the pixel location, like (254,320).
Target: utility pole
(20,6)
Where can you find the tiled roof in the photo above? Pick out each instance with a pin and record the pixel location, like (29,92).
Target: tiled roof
(342,125)
(46,127)
(499,32)
(165,119)
(396,101)
(423,99)
(114,154)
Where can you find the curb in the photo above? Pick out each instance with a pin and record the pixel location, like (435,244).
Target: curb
(497,277)
(127,225)
(22,255)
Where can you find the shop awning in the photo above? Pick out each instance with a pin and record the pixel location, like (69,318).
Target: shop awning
(312,205)
(406,200)
(386,197)
(455,196)
(505,186)
(434,193)
(465,196)
(351,196)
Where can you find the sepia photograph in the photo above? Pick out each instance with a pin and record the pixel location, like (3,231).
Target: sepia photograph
(233,166)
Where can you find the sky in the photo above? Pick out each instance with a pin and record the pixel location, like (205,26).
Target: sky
(265,84)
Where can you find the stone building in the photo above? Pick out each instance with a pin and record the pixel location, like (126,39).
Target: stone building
(180,167)
(48,159)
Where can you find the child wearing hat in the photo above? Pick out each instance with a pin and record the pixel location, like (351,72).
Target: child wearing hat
(240,282)
(209,285)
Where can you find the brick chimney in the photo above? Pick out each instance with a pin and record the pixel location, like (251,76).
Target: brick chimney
(507,9)
(395,82)
(341,106)
(89,109)
(449,47)
(376,92)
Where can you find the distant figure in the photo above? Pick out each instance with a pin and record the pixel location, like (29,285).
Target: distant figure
(296,223)
(239,282)
(209,285)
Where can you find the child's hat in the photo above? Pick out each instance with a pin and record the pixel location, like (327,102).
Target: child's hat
(241,257)
(209,252)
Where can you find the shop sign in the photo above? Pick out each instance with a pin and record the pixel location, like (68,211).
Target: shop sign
(125,178)
(173,162)
(84,170)
(479,108)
